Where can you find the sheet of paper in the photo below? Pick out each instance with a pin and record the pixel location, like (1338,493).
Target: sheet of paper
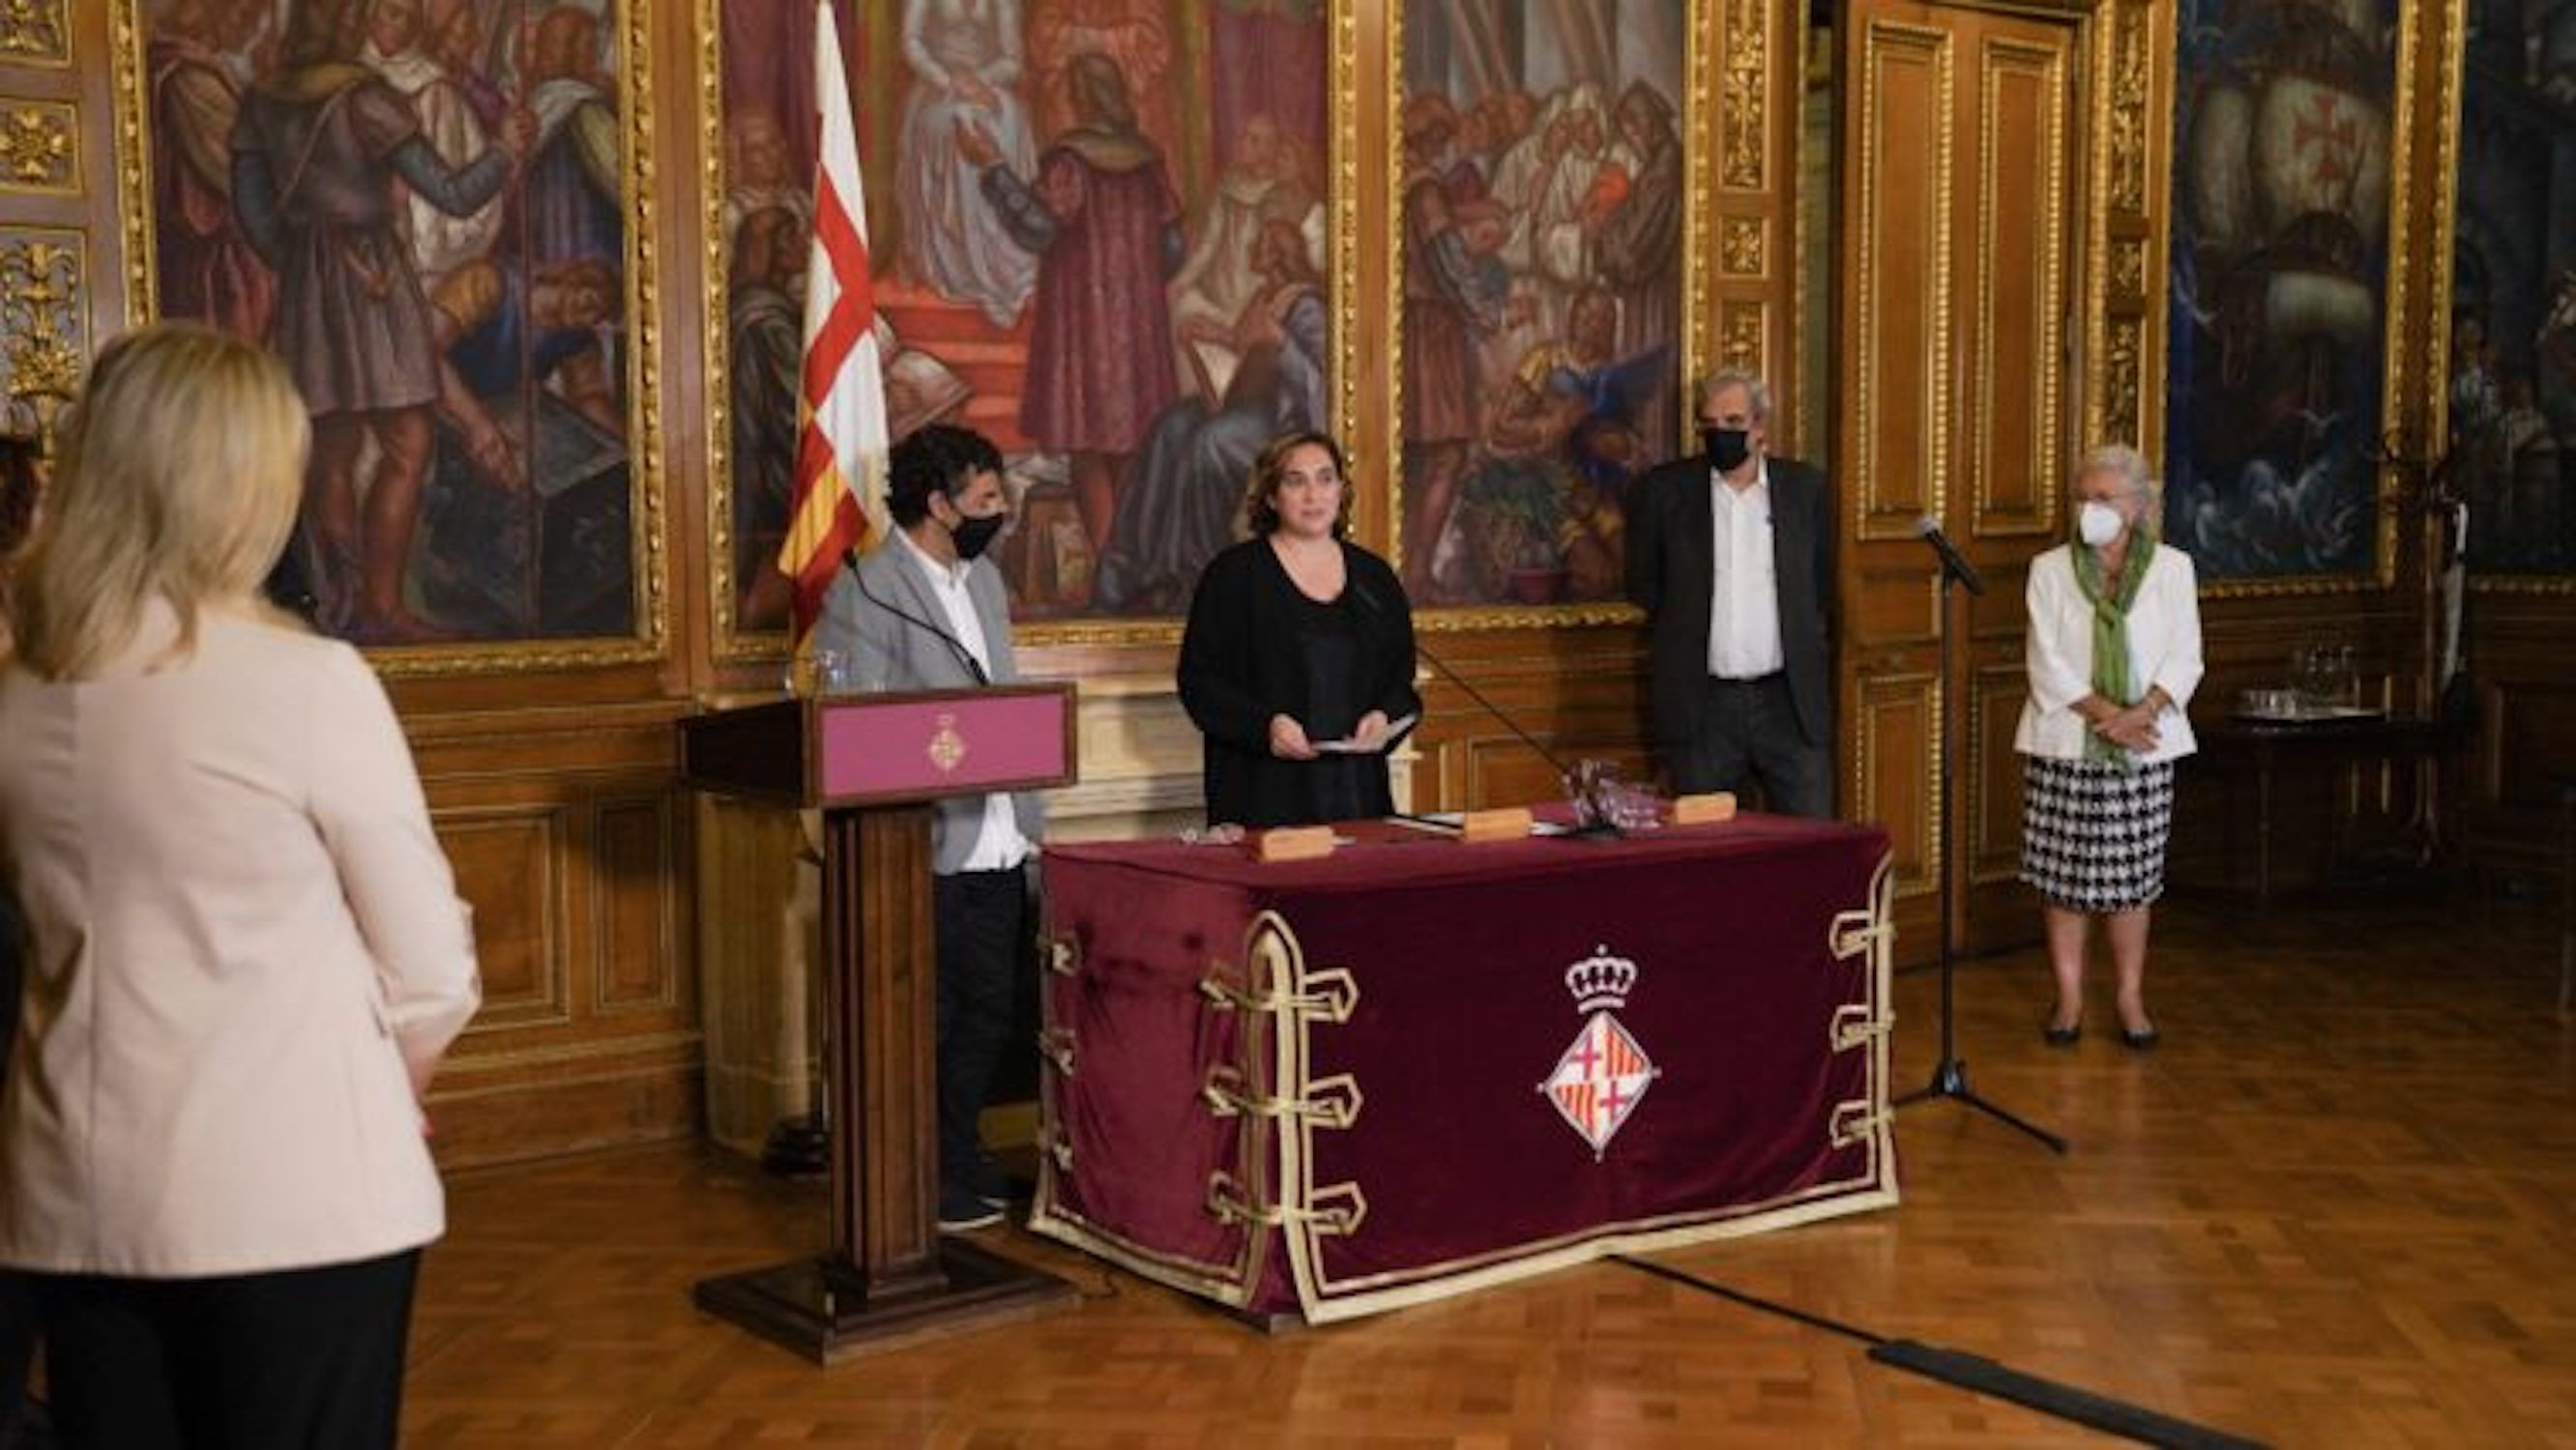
(1348,746)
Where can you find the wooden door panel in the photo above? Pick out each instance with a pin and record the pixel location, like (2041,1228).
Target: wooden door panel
(1896,774)
(1993,775)
(1962,191)
(1899,324)
(2014,410)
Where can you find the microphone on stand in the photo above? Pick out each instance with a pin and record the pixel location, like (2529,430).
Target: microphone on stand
(956,646)
(1953,563)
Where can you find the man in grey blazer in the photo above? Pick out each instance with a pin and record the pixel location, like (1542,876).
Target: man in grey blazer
(1731,555)
(926,611)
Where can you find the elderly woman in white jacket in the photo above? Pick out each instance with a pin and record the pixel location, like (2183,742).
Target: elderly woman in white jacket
(2114,653)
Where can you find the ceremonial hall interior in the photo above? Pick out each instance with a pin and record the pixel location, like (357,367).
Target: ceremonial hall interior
(1734,1129)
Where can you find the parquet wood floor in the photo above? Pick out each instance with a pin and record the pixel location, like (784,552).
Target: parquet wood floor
(2338,1208)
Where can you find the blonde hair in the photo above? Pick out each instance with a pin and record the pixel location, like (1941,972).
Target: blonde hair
(2137,479)
(177,474)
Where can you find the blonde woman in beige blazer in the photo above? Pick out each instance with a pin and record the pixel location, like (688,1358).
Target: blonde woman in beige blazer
(247,954)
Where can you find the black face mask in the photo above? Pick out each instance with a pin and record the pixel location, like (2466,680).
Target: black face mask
(974,536)
(1727,447)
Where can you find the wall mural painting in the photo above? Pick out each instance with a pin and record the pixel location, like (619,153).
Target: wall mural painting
(1541,195)
(2512,395)
(1100,236)
(418,204)
(2278,287)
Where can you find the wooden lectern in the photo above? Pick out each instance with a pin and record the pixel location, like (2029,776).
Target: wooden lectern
(873,764)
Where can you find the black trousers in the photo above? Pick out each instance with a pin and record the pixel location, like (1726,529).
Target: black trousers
(982,920)
(302,1359)
(1748,731)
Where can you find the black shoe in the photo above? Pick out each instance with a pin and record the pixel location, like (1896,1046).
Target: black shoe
(987,1181)
(2056,1036)
(2143,1039)
(960,1210)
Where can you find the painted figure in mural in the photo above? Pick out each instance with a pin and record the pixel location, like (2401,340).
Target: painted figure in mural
(569,200)
(966,62)
(1639,246)
(1545,495)
(311,152)
(765,331)
(397,32)
(1265,184)
(204,267)
(456,38)
(1446,298)
(1179,501)
(1135,34)
(760,171)
(1102,221)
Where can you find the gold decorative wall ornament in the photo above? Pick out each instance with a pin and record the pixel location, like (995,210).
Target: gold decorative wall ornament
(43,340)
(1744,121)
(2123,357)
(2129,109)
(1739,340)
(2129,268)
(1739,246)
(33,31)
(39,147)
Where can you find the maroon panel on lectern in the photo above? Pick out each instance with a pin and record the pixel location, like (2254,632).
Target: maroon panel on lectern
(882,749)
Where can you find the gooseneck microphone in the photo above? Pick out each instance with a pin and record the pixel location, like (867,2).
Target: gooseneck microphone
(1369,600)
(1953,563)
(956,646)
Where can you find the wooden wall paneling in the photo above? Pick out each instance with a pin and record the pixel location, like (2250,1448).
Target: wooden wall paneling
(1579,692)
(565,833)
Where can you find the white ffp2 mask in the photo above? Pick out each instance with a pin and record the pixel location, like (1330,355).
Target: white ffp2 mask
(2098,523)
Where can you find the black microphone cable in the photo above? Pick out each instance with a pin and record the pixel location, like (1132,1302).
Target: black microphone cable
(965,656)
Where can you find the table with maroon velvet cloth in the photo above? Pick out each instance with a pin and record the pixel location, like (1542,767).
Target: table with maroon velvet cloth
(1327,1088)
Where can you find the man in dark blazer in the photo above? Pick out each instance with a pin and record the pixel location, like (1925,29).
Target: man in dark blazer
(926,610)
(1731,555)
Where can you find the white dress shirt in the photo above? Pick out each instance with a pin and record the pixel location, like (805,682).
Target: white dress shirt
(2164,649)
(1743,598)
(999,846)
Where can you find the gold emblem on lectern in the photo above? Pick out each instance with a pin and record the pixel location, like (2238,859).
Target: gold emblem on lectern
(947,747)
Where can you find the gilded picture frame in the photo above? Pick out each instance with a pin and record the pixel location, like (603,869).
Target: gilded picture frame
(622,29)
(736,636)
(1694,342)
(2349,454)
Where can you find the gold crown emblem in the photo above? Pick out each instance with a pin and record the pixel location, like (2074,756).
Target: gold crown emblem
(1600,981)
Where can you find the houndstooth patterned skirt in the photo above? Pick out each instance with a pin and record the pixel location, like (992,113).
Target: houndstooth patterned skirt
(2093,834)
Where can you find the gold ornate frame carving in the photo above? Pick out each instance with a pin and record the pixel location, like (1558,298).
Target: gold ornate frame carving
(730,643)
(1727,148)
(2403,364)
(35,32)
(648,547)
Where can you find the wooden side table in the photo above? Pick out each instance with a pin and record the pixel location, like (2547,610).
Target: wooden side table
(2258,747)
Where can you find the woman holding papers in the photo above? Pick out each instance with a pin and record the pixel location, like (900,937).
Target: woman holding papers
(1298,662)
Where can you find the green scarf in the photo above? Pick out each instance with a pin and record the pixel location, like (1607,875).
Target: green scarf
(2111,629)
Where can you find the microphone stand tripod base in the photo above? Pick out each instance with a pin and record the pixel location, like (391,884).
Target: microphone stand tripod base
(1950,1080)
